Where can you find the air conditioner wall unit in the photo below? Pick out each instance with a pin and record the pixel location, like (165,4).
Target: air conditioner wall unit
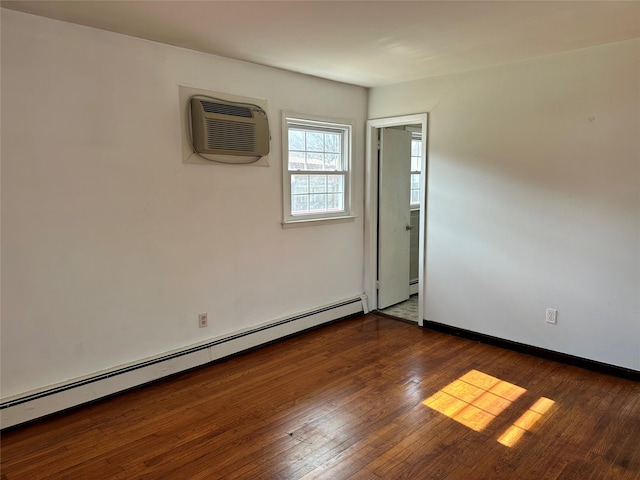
(220,127)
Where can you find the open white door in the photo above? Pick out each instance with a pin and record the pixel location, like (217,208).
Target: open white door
(394,216)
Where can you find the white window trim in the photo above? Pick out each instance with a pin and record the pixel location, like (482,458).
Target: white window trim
(319,218)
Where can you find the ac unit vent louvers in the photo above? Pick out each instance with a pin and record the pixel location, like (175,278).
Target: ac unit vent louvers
(223,109)
(226,135)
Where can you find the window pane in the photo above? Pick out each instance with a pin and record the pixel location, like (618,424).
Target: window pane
(299,184)
(315,141)
(416,148)
(299,204)
(296,161)
(318,183)
(318,199)
(332,143)
(296,140)
(415,181)
(335,202)
(335,183)
(415,189)
(315,161)
(416,155)
(317,203)
(315,150)
(332,161)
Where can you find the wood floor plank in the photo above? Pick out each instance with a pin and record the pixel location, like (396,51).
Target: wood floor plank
(349,400)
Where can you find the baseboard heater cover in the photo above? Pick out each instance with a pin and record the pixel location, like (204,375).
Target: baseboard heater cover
(32,405)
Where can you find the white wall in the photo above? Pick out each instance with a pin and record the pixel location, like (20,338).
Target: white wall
(111,245)
(533,199)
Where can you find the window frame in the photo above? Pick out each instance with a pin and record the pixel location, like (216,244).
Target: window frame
(416,137)
(324,124)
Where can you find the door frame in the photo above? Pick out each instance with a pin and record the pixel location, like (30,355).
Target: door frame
(371,207)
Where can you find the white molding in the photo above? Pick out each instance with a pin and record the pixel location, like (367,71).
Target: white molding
(319,221)
(371,209)
(54,398)
(365,303)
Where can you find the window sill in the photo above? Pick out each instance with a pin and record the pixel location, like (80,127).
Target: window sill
(309,222)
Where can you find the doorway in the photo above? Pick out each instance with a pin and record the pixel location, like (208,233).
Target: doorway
(391,202)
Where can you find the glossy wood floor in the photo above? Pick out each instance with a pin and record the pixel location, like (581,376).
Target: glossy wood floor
(366,398)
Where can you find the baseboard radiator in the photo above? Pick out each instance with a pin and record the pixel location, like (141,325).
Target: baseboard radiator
(38,403)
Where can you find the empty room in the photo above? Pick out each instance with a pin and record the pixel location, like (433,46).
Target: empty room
(320,239)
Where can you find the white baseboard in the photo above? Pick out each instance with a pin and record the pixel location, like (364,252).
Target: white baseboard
(54,398)
(413,288)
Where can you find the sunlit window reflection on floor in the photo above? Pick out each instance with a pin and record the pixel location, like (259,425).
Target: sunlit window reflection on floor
(474,399)
(526,422)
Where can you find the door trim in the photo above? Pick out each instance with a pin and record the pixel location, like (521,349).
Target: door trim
(371,207)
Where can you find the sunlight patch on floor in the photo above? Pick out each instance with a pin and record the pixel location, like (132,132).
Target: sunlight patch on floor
(474,399)
(526,422)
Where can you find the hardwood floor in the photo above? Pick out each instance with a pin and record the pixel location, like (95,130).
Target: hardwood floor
(365,398)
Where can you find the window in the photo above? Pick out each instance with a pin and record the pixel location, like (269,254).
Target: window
(416,167)
(316,169)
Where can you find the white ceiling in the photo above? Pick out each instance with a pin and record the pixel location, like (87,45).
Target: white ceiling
(368,43)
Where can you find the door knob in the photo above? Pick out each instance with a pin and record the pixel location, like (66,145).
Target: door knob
(409,227)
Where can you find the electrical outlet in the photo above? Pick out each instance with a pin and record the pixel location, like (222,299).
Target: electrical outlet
(203,320)
(552,315)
